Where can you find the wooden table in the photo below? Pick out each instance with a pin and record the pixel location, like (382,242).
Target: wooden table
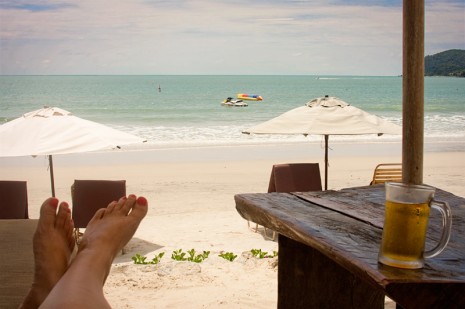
(328,251)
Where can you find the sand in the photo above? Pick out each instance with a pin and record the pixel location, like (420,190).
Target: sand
(191,199)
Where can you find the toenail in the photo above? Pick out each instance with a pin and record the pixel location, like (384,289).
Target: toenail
(142,201)
(54,202)
(132,196)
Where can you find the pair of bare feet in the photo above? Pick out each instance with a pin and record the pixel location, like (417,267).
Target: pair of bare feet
(60,282)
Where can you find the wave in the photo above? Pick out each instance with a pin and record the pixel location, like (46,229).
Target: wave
(437,127)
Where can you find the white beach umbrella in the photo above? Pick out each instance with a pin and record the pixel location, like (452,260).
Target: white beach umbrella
(51,130)
(326,116)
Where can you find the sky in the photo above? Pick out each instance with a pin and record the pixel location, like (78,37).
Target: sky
(263,37)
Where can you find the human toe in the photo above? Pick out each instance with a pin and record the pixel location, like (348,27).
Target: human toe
(48,211)
(140,208)
(63,216)
(127,204)
(112,206)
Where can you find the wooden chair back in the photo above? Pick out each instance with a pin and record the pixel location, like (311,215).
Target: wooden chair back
(88,196)
(387,172)
(13,196)
(295,177)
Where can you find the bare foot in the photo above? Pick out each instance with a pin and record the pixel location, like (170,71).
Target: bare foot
(106,234)
(111,228)
(53,244)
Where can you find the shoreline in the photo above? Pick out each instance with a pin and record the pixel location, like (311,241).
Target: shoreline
(234,152)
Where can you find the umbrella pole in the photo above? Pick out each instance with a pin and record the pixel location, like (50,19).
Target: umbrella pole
(50,161)
(326,161)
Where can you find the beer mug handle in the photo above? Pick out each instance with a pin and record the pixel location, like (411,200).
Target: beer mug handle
(444,209)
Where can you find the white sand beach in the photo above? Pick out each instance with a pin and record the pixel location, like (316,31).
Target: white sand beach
(191,199)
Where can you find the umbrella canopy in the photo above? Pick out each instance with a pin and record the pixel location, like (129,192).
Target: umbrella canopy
(51,130)
(326,116)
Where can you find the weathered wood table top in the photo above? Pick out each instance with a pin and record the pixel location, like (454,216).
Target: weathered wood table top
(346,226)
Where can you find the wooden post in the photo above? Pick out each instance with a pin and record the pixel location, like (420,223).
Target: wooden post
(413,91)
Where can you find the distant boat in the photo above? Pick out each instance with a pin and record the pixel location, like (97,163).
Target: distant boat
(251,97)
(231,102)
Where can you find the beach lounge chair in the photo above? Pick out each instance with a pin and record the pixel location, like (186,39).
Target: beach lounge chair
(14,200)
(88,196)
(16,260)
(294,177)
(387,172)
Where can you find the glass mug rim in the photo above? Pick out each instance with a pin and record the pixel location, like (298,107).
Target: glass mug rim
(410,193)
(410,185)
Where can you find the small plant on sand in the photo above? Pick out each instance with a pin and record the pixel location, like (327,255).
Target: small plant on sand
(179,255)
(258,253)
(139,259)
(197,258)
(157,258)
(228,256)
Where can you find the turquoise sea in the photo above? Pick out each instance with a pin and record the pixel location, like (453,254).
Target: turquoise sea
(186,111)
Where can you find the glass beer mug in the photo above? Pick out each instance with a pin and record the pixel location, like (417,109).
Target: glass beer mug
(405,223)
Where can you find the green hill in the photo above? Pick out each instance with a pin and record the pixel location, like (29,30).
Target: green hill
(447,63)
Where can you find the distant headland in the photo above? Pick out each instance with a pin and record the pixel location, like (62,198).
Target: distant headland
(447,63)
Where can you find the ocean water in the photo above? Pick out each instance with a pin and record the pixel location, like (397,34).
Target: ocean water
(186,111)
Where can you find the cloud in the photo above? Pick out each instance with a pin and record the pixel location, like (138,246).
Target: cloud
(215,37)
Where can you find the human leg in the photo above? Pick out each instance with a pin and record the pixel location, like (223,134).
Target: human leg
(53,243)
(106,234)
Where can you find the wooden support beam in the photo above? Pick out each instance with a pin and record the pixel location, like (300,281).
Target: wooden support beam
(413,91)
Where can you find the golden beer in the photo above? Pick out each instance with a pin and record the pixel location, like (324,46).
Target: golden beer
(404,234)
(405,223)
